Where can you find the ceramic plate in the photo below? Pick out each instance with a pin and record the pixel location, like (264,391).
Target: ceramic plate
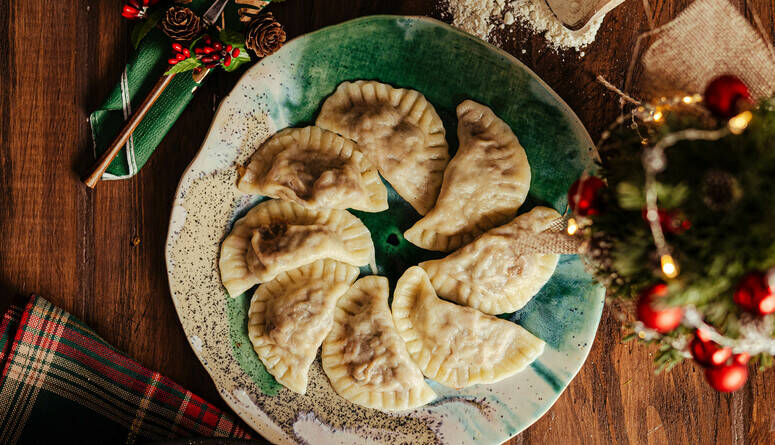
(287,89)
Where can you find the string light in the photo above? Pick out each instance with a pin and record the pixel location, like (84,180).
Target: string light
(669,267)
(573,226)
(657,116)
(739,123)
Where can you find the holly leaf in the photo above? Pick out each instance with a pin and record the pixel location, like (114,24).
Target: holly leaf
(236,62)
(142,29)
(233,38)
(194,42)
(184,65)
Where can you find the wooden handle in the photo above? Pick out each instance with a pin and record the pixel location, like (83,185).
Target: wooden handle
(107,157)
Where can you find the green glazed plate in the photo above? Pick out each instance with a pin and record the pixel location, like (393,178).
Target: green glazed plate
(287,89)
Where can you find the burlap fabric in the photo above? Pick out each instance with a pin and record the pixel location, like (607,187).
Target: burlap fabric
(707,39)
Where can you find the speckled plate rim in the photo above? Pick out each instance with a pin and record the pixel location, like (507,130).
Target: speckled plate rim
(262,423)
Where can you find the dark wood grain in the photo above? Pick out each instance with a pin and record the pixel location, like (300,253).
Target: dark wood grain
(74,246)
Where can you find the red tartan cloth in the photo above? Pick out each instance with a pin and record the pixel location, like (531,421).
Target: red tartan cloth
(61,381)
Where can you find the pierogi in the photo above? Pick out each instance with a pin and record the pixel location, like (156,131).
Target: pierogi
(314,168)
(458,346)
(499,272)
(276,236)
(365,358)
(398,130)
(484,184)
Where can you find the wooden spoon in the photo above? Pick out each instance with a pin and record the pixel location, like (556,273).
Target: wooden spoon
(574,14)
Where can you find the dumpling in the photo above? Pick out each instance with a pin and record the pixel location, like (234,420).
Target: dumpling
(484,184)
(291,315)
(365,358)
(398,130)
(458,346)
(500,271)
(316,169)
(276,236)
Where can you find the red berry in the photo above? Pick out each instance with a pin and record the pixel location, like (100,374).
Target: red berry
(198,51)
(173,61)
(706,352)
(129,10)
(207,39)
(218,46)
(235,53)
(583,196)
(177,47)
(726,95)
(180,56)
(215,57)
(208,50)
(227,61)
(212,65)
(228,48)
(754,295)
(662,320)
(727,378)
(186,52)
(207,60)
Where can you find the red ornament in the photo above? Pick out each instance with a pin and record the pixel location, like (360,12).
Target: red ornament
(671,221)
(754,294)
(742,358)
(137,9)
(583,196)
(726,96)
(661,320)
(728,377)
(706,352)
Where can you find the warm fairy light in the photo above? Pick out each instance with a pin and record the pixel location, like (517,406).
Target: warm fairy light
(657,116)
(573,227)
(668,266)
(687,99)
(739,123)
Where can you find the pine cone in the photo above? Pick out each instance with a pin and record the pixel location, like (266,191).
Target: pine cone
(720,190)
(181,24)
(265,35)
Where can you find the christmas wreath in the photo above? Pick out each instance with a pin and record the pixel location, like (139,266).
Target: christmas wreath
(679,227)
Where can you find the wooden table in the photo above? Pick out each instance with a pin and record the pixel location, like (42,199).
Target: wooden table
(100,254)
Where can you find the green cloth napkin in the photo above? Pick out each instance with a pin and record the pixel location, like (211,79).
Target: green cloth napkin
(145,66)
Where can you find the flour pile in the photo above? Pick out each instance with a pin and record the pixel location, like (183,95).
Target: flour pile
(482,17)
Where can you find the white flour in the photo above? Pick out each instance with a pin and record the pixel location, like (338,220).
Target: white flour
(482,17)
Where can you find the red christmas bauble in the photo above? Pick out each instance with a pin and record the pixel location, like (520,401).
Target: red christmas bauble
(725,94)
(671,221)
(661,320)
(754,294)
(727,378)
(707,352)
(583,196)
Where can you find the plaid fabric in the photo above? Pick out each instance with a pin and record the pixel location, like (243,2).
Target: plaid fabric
(142,70)
(62,382)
